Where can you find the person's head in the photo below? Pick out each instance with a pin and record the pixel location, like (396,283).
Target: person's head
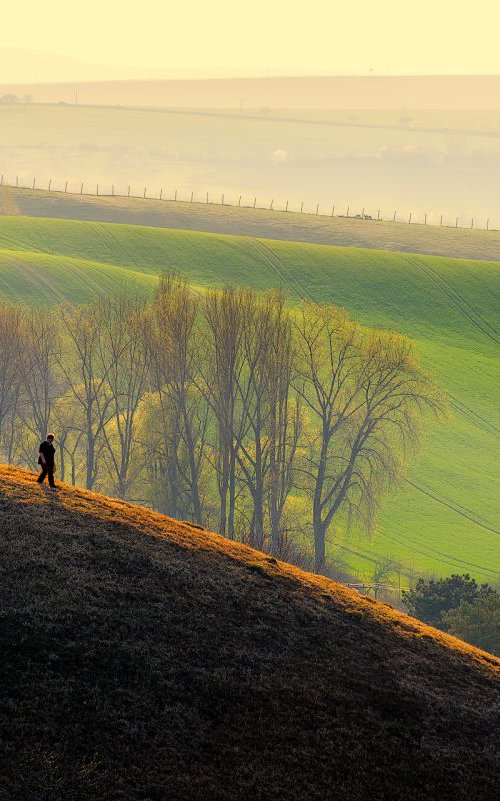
(50,438)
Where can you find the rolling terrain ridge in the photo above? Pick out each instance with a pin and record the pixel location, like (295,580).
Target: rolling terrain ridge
(445,518)
(144,658)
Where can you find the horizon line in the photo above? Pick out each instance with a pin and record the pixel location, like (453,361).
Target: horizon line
(312,76)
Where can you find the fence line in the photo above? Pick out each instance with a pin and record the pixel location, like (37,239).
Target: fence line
(253,202)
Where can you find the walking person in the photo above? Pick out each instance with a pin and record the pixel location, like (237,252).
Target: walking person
(46,454)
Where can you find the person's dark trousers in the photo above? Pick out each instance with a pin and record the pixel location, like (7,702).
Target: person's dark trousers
(47,470)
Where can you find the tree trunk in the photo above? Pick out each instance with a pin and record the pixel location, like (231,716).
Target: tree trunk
(89,478)
(232,495)
(319,545)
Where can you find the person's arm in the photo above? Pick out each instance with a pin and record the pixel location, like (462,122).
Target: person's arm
(42,458)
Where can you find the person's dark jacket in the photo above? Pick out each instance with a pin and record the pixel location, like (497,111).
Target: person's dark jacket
(48,450)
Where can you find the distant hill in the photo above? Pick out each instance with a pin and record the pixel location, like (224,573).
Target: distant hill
(211,218)
(446,517)
(21,65)
(335,92)
(146,659)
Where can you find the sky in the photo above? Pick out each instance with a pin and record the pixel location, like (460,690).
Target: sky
(57,39)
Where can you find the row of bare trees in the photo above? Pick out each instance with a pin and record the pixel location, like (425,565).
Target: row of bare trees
(225,408)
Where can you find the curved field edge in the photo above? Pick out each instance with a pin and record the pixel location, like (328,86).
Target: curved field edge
(28,277)
(446,519)
(19,486)
(278,225)
(144,658)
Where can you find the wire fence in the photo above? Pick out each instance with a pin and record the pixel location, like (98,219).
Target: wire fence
(236,200)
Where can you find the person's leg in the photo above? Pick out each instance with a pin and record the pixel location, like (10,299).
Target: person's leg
(51,477)
(41,477)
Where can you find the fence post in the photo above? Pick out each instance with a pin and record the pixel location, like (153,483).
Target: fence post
(472,223)
(222,200)
(239,201)
(161,193)
(112,190)
(175,196)
(286,207)
(348,211)
(66,187)
(487,225)
(363,214)
(441,220)
(50,183)
(409,219)
(81,189)
(333,210)
(254,202)
(34,181)
(192,196)
(128,192)
(394,218)
(425,219)
(271,206)
(302,207)
(207,197)
(317,209)
(144,195)
(456,223)
(98,189)
(378,215)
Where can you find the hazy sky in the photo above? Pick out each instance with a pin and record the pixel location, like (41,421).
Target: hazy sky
(317,36)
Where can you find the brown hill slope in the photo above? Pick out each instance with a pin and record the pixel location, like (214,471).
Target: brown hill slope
(145,659)
(321,230)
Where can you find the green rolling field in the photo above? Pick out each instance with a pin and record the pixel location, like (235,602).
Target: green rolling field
(446,518)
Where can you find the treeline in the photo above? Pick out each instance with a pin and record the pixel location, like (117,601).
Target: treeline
(13,100)
(459,606)
(224,408)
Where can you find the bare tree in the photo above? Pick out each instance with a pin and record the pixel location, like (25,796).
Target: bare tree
(175,362)
(70,435)
(124,364)
(366,394)
(9,100)
(380,574)
(12,347)
(253,393)
(224,322)
(87,379)
(37,366)
(266,451)
(284,423)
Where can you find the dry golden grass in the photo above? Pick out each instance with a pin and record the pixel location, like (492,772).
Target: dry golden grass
(146,659)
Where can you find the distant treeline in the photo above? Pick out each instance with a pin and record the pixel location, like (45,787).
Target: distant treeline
(224,408)
(14,100)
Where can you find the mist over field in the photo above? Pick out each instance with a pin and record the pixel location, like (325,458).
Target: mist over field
(424,162)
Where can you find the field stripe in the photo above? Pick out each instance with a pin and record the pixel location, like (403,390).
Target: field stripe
(426,550)
(474,418)
(455,299)
(281,269)
(456,508)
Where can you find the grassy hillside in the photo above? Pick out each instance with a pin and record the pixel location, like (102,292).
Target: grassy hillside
(212,218)
(446,517)
(145,659)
